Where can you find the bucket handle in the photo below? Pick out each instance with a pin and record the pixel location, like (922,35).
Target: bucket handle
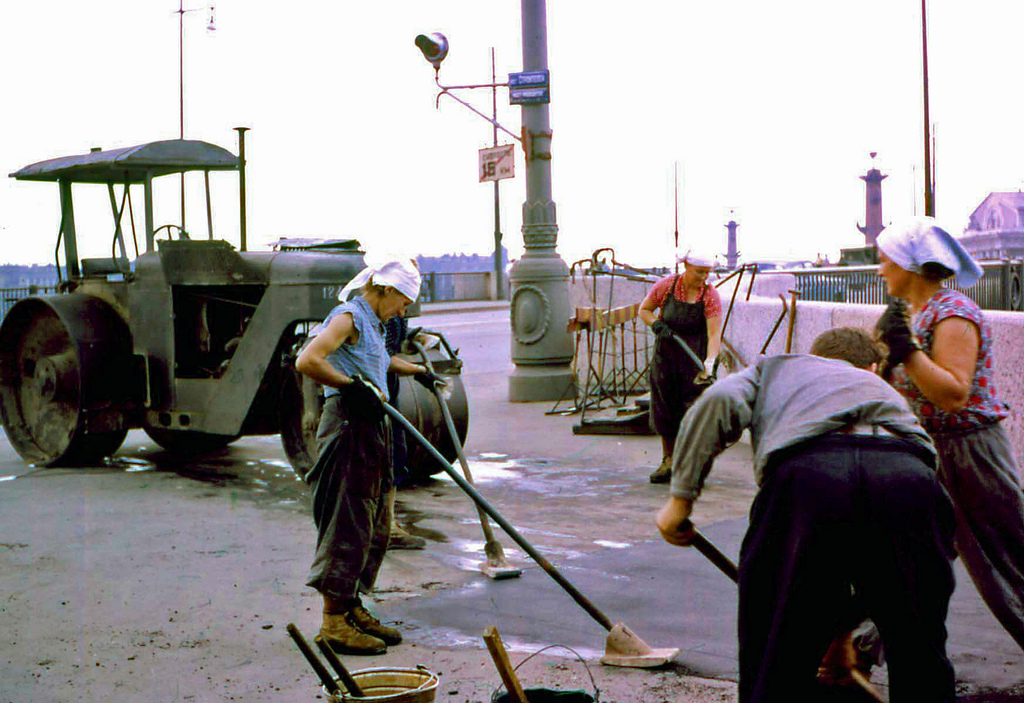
(597,691)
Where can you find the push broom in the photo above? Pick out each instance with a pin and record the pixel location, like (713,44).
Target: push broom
(622,647)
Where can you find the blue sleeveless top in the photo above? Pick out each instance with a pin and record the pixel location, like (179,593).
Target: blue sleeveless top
(367,356)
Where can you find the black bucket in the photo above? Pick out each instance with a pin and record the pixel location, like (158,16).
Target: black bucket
(549,695)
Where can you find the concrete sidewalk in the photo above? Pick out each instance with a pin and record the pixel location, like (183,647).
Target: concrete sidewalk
(449,306)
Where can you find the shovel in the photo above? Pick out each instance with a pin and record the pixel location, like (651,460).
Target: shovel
(702,377)
(622,647)
(496,567)
(713,554)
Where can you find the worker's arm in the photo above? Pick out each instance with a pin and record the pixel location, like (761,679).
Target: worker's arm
(714,337)
(404,367)
(312,361)
(946,376)
(715,421)
(648,311)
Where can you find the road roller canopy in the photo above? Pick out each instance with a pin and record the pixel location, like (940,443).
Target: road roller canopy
(131,164)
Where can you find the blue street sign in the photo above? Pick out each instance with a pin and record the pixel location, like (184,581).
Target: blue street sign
(529,88)
(533,79)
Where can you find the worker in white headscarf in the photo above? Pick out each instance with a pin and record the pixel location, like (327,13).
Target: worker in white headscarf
(680,307)
(352,477)
(940,358)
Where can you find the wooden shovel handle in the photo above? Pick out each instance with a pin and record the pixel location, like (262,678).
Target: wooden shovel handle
(502,664)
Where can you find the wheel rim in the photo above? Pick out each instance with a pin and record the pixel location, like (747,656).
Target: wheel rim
(45,389)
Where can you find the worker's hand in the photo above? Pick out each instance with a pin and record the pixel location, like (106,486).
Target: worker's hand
(661,329)
(893,329)
(673,522)
(428,379)
(363,396)
(709,367)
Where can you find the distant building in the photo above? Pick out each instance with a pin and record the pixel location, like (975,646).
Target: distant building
(995,229)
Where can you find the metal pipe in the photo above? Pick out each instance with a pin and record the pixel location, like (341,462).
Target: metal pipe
(492,548)
(70,237)
(792,320)
(181,95)
(929,196)
(511,531)
(499,286)
(209,211)
(241,186)
(785,310)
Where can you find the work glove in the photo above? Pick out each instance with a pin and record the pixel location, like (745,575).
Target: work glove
(428,379)
(661,329)
(893,329)
(365,399)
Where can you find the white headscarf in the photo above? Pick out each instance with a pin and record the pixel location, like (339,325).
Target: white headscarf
(919,240)
(400,274)
(698,257)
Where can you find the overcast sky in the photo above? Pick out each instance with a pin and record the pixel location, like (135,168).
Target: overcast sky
(771,108)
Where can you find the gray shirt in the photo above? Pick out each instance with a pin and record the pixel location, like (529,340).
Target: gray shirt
(784,400)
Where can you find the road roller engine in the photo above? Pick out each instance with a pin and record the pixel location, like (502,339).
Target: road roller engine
(193,340)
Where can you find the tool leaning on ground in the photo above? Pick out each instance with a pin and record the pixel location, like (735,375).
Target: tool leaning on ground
(496,566)
(702,379)
(622,646)
(713,554)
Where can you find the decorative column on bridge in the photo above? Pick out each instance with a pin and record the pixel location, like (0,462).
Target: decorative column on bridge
(541,348)
(873,203)
(732,254)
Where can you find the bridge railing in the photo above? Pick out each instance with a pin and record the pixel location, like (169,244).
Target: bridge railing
(9,296)
(1000,287)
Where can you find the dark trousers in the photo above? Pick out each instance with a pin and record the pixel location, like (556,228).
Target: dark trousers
(349,485)
(839,515)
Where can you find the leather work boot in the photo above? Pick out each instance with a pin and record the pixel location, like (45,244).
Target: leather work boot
(338,632)
(361,619)
(662,474)
(400,539)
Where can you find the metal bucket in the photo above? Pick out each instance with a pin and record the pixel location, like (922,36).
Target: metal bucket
(391,685)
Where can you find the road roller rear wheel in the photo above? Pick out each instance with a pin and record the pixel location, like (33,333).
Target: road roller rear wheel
(301,405)
(41,390)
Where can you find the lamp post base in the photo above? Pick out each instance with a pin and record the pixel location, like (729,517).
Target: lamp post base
(543,382)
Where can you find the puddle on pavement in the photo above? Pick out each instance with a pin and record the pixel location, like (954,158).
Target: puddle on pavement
(612,545)
(484,471)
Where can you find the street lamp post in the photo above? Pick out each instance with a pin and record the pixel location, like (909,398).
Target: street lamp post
(181,12)
(541,347)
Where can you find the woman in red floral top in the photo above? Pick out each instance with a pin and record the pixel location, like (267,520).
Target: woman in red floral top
(940,359)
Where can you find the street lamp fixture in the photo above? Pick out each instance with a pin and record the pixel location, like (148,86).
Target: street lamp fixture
(434,47)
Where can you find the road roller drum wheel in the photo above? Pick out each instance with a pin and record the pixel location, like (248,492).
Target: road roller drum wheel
(41,386)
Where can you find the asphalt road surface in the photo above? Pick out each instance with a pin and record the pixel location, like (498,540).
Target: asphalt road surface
(152,577)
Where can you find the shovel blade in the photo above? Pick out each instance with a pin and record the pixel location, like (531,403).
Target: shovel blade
(624,648)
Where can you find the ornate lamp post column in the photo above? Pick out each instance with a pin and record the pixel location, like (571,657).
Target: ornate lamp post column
(541,348)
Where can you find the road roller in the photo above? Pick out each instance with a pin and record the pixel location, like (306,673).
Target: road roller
(186,337)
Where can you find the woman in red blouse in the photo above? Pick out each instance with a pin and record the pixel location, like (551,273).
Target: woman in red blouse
(680,306)
(940,359)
